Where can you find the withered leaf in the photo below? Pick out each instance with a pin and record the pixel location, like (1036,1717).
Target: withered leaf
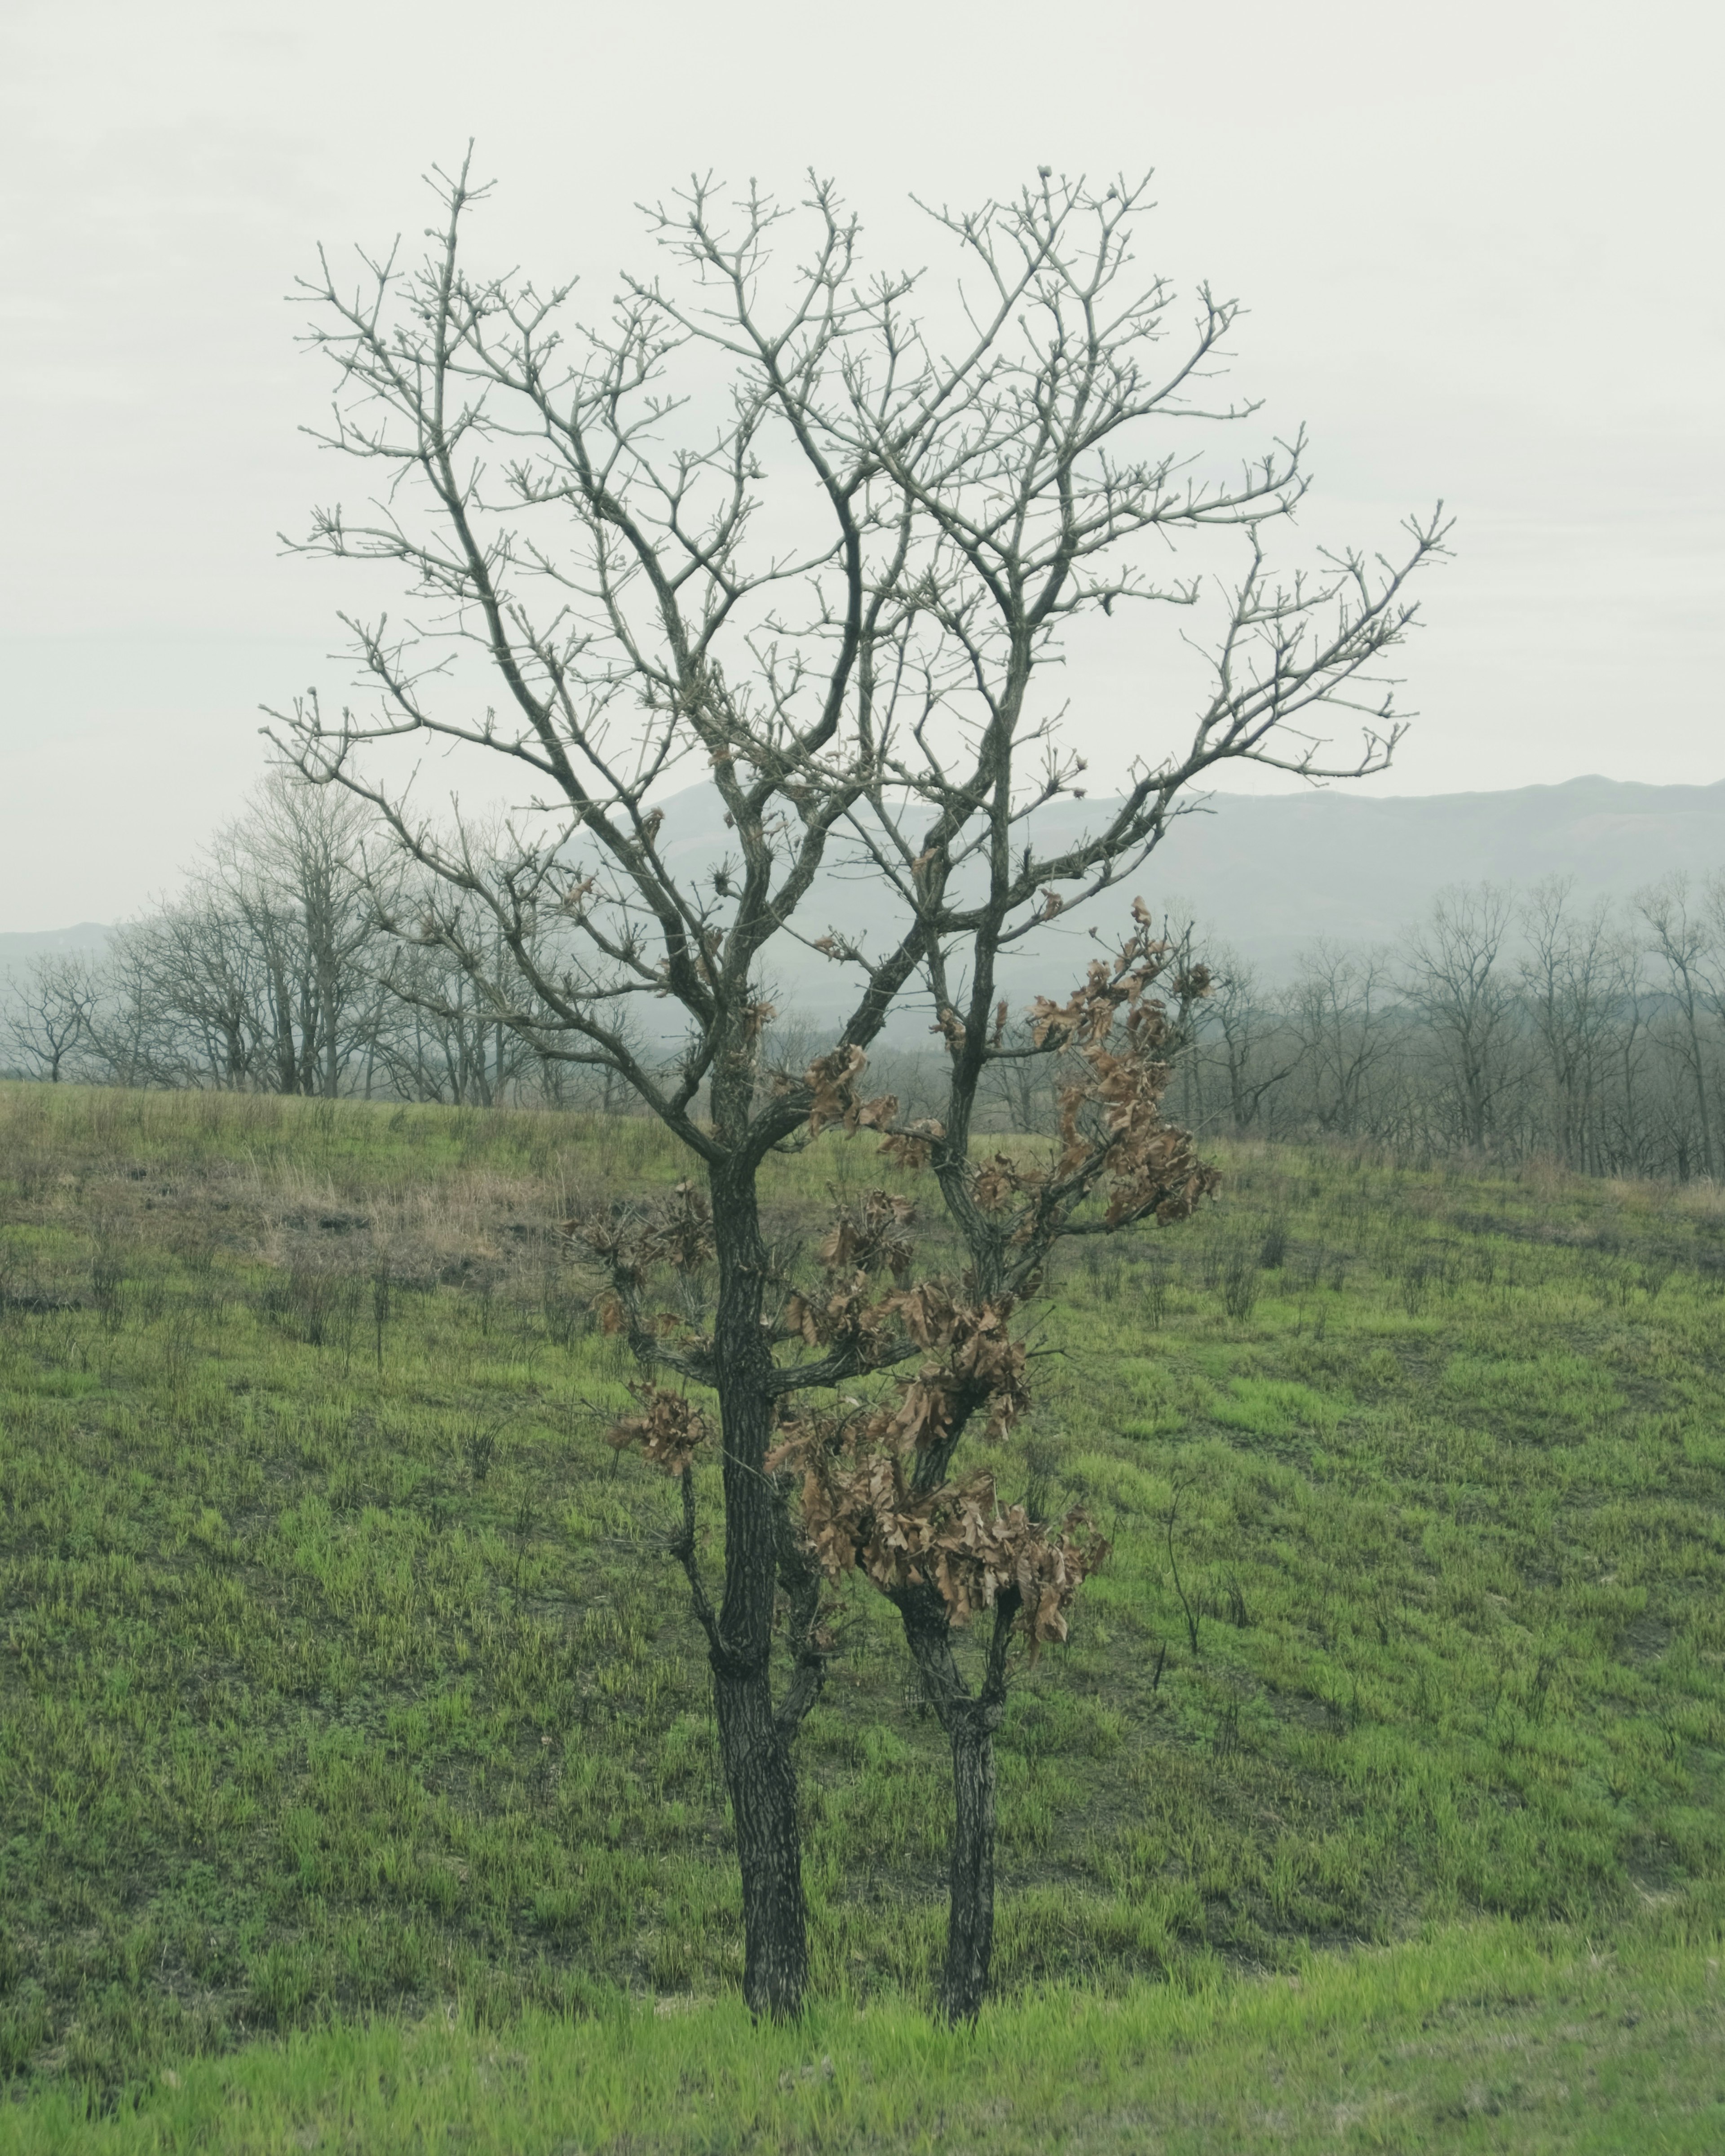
(667,1429)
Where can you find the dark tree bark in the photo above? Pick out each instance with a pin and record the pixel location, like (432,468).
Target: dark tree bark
(970,1722)
(754,1740)
(762,1781)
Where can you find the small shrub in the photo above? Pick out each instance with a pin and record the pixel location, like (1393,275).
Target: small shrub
(479,1445)
(105,1275)
(1239,1288)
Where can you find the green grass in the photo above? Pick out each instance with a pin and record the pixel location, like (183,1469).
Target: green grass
(340,1682)
(1478,2037)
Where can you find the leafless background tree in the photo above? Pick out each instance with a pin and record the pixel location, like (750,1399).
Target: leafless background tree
(49,1012)
(1457,979)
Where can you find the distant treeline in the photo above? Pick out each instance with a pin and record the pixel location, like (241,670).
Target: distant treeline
(297,958)
(1505,1024)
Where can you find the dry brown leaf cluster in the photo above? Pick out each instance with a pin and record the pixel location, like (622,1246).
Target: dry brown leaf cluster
(628,1241)
(980,1366)
(995,1183)
(1111,1130)
(846,1318)
(860,1514)
(869,1237)
(679,1230)
(983,1368)
(831,1080)
(912,1149)
(666,1430)
(1088,1015)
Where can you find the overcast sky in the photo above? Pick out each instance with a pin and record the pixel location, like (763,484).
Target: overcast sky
(1480,246)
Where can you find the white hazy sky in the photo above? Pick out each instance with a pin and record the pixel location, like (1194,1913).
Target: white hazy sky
(1480,246)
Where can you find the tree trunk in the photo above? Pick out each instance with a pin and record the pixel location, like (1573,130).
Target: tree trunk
(754,1744)
(1698,1065)
(763,1783)
(970,1722)
(970,1917)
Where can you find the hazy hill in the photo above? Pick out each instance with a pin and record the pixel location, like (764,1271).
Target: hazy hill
(1274,873)
(17,946)
(1268,875)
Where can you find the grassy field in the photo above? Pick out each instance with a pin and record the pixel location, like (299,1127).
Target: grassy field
(347,1702)
(1488,2037)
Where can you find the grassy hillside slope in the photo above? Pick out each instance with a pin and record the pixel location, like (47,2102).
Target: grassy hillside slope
(341,1671)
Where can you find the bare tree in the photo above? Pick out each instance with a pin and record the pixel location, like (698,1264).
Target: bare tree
(833,588)
(193,1009)
(1628,1137)
(1683,941)
(133,1041)
(49,1011)
(1257,1049)
(1571,979)
(1458,980)
(450,1042)
(1344,1013)
(290,872)
(262,973)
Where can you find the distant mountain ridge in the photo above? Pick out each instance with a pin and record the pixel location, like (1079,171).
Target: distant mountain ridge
(19,946)
(1272,874)
(1267,874)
